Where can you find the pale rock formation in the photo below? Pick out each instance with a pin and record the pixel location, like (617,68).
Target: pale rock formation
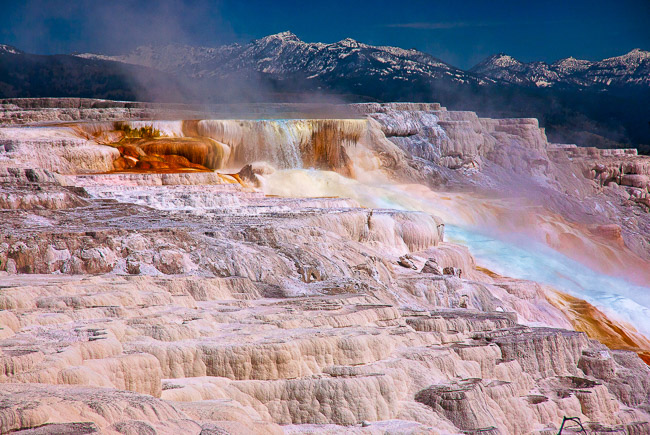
(104,410)
(55,149)
(190,303)
(431,266)
(407,261)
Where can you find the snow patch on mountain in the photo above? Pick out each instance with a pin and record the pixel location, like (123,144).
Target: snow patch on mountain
(632,68)
(285,56)
(9,49)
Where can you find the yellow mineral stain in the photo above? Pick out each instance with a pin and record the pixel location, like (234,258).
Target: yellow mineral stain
(488,272)
(328,144)
(588,319)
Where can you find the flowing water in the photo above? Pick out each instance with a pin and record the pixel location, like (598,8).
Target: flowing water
(516,256)
(537,262)
(506,242)
(230,144)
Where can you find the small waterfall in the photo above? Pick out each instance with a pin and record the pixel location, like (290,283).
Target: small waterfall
(277,142)
(286,143)
(231,144)
(291,135)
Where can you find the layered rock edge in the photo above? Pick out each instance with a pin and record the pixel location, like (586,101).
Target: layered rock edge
(192,302)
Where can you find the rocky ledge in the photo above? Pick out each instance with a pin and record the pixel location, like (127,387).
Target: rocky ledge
(197,302)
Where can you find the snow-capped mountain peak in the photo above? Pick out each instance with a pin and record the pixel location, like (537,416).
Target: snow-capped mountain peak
(348,42)
(500,60)
(282,36)
(500,67)
(636,54)
(632,68)
(630,60)
(572,63)
(4,48)
(284,55)
(503,60)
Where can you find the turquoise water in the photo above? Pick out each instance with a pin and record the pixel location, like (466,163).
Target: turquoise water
(534,261)
(517,257)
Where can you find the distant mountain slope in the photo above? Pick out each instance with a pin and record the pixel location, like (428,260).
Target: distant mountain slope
(284,54)
(629,70)
(600,103)
(30,75)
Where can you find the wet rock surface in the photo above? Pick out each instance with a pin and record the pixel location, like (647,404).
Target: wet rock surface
(188,303)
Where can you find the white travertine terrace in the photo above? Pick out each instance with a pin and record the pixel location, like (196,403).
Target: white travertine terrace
(319,294)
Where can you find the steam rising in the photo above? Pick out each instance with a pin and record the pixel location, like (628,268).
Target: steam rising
(515,255)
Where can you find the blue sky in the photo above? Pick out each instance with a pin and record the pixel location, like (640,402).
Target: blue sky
(459,32)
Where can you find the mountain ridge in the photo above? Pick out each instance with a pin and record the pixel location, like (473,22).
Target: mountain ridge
(601,104)
(289,54)
(632,68)
(284,53)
